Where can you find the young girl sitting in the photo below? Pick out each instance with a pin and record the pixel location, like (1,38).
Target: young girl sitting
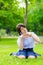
(26,43)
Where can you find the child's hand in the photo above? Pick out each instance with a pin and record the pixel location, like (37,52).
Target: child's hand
(26,35)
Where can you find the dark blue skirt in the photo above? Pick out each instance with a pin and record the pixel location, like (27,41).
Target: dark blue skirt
(26,52)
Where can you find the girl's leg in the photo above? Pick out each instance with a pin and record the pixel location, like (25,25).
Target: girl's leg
(21,56)
(31,56)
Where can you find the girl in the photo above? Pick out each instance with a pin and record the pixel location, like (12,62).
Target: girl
(26,42)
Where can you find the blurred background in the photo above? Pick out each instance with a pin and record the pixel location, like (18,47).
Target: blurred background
(28,12)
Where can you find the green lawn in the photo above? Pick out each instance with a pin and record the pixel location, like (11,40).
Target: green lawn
(10,45)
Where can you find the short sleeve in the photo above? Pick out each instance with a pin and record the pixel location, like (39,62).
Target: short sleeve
(34,34)
(35,37)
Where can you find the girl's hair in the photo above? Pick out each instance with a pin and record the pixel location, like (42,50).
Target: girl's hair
(18,28)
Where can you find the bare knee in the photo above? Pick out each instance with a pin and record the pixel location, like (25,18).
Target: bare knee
(31,56)
(21,56)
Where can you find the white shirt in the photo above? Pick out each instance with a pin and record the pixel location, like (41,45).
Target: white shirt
(27,42)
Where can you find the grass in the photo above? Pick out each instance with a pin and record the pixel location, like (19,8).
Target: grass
(10,45)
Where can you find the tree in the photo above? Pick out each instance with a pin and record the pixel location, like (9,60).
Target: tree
(26,12)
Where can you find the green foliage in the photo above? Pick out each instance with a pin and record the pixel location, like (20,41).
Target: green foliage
(35,18)
(11,15)
(14,33)
(2,32)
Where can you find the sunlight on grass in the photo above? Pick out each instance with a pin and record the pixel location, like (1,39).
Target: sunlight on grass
(8,46)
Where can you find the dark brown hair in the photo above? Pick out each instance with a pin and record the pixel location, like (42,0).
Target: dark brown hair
(19,26)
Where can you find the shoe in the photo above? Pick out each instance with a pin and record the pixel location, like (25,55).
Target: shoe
(11,54)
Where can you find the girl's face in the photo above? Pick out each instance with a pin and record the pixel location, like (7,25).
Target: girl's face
(23,30)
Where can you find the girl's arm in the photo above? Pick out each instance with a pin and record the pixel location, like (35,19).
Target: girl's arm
(36,38)
(20,43)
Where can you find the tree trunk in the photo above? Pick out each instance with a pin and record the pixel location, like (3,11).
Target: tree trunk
(26,11)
